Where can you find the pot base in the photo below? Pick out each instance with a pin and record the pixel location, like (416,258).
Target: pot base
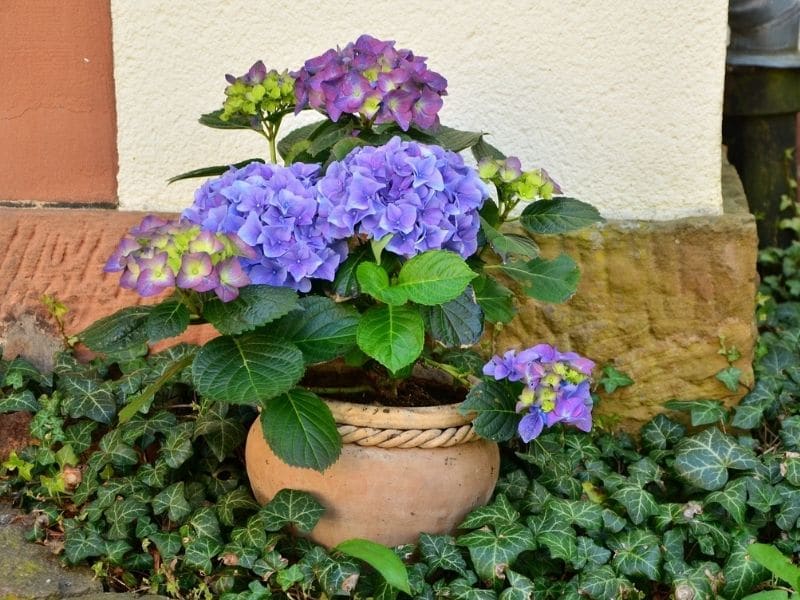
(388,496)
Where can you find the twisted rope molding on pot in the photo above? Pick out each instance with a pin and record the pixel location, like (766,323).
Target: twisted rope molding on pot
(407,438)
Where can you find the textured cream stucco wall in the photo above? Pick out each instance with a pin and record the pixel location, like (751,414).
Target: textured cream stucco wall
(620,101)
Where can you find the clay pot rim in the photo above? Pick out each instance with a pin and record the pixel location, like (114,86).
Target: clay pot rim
(395,417)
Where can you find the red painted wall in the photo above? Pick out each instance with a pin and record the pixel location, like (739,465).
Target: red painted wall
(57,108)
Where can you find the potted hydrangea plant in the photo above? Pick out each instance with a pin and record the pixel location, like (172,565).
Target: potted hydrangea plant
(352,283)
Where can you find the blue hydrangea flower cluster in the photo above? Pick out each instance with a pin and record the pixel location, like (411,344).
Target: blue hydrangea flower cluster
(556,387)
(157,255)
(425,197)
(274,210)
(372,79)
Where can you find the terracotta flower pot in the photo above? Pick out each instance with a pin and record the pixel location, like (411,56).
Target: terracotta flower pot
(402,471)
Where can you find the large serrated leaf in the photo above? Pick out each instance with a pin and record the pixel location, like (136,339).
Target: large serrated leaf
(546,280)
(704,459)
(495,299)
(558,215)
(458,323)
(510,244)
(434,277)
(291,507)
(392,335)
(122,334)
(256,305)
(167,320)
(322,329)
(300,430)
(380,558)
(246,369)
(494,404)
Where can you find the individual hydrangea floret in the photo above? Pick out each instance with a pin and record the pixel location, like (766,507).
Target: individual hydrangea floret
(257,91)
(158,254)
(374,80)
(273,209)
(423,196)
(556,387)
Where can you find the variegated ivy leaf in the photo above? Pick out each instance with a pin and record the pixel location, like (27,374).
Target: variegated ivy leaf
(293,507)
(85,397)
(177,447)
(463,589)
(555,533)
(253,534)
(114,550)
(221,433)
(235,502)
(121,514)
(205,524)
(590,552)
(521,588)
(79,435)
(499,512)
(116,451)
(22,400)
(701,580)
(702,412)
(662,433)
(514,485)
(612,521)
(583,513)
(155,474)
(741,572)
(704,459)
(81,542)
(644,471)
(243,556)
(761,495)
(19,371)
(172,501)
(637,553)
(440,552)
(337,577)
(535,499)
(168,544)
(493,551)
(639,503)
(199,553)
(603,583)
(732,498)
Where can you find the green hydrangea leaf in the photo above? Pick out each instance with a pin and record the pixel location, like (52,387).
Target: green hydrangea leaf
(256,305)
(380,558)
(558,215)
(506,245)
(495,299)
(167,320)
(704,459)
(293,507)
(494,404)
(636,553)
(246,369)
(300,429)
(123,334)
(458,323)
(172,502)
(322,329)
(345,283)
(392,335)
(440,552)
(434,277)
(493,551)
(374,280)
(553,280)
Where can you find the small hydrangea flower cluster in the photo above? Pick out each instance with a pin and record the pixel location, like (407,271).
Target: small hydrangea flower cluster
(372,79)
(508,175)
(257,91)
(273,210)
(425,197)
(556,387)
(158,254)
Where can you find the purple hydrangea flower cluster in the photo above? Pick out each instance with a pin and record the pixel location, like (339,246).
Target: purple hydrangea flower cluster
(556,387)
(274,210)
(158,254)
(425,197)
(372,79)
